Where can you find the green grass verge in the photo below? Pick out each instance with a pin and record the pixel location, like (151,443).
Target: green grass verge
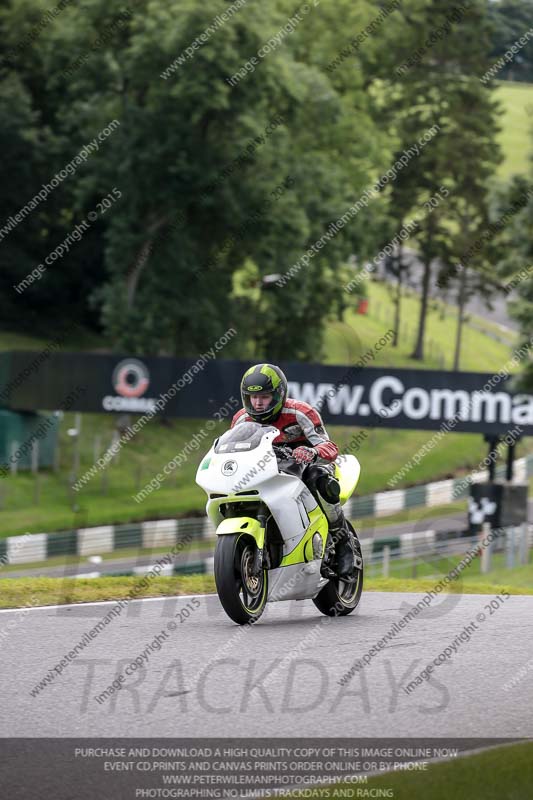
(490,586)
(19,592)
(501,773)
(520,579)
(425,572)
(515,136)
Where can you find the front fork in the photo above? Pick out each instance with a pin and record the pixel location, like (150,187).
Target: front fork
(257,566)
(259,557)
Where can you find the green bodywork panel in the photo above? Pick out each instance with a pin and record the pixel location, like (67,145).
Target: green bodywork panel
(303,551)
(347,473)
(242,525)
(301,554)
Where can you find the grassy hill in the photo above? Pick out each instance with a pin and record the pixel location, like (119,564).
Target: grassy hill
(480,351)
(516,101)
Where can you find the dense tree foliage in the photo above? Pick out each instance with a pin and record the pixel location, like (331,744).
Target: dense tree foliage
(514,249)
(512,20)
(209,168)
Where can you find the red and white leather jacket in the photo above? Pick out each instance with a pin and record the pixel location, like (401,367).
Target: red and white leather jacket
(298,424)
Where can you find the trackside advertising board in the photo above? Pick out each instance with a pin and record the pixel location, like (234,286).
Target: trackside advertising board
(197,388)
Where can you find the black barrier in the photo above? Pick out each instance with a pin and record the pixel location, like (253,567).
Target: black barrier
(109,769)
(178,387)
(499,504)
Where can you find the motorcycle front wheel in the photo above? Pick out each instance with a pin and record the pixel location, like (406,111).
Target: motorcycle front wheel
(242,593)
(339,598)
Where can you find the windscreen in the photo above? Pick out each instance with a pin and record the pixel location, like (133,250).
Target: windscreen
(243,437)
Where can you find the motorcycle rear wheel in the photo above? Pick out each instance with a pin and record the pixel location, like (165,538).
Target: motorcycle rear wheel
(339,598)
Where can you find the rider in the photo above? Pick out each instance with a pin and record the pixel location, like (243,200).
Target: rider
(264,399)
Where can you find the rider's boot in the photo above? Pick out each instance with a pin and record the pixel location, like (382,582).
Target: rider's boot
(328,493)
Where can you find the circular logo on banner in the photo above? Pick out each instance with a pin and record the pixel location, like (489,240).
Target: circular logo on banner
(131,378)
(229,468)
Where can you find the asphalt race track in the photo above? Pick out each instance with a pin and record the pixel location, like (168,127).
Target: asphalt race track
(201,682)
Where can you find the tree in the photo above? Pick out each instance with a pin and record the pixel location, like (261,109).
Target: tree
(437,83)
(196,162)
(514,243)
(510,20)
(36,147)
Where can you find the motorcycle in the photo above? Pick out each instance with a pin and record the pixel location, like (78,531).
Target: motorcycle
(273,540)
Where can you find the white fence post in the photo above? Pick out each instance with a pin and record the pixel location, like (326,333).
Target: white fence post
(35,456)
(486,553)
(510,542)
(524,543)
(386,561)
(114,442)
(14,463)
(96,448)
(57,456)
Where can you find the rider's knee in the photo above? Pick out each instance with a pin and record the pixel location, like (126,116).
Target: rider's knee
(329,488)
(324,483)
